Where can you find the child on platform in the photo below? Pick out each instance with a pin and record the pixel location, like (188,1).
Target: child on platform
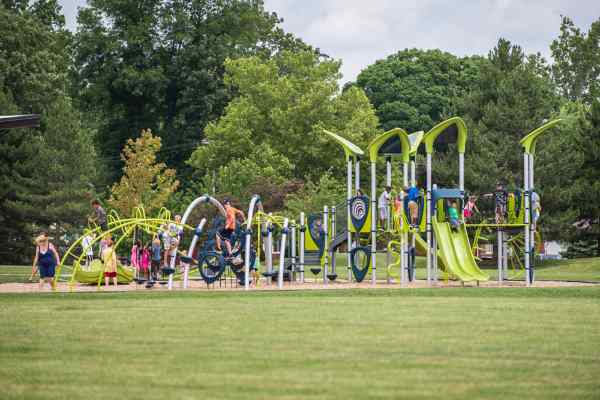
(86,244)
(453,215)
(136,250)
(470,208)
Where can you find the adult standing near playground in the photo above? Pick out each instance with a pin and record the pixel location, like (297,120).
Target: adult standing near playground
(413,194)
(384,205)
(46,259)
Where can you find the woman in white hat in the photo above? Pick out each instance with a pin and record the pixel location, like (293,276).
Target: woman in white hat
(46,259)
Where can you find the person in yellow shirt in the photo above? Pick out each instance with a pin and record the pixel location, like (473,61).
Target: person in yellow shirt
(109,258)
(231,214)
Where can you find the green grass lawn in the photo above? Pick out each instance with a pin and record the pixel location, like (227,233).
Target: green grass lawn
(581,269)
(445,343)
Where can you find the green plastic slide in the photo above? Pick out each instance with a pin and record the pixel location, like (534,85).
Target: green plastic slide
(455,251)
(96,271)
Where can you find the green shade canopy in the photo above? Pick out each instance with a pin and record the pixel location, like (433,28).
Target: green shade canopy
(454,122)
(388,142)
(529,140)
(350,149)
(415,140)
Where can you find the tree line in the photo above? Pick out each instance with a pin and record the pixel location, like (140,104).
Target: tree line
(155,102)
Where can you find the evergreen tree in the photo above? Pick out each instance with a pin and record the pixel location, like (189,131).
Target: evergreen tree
(46,173)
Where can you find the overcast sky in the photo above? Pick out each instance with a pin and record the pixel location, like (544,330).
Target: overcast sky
(359,32)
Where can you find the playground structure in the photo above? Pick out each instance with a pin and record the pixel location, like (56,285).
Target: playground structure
(315,239)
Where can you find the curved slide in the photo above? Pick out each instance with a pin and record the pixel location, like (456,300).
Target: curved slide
(455,251)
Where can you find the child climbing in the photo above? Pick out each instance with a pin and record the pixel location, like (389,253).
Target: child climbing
(231,214)
(413,194)
(536,209)
(453,215)
(109,258)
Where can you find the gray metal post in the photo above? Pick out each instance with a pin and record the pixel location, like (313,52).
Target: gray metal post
(527,212)
(269,250)
(348,219)
(333,235)
(190,253)
(293,250)
(326,233)
(302,228)
(499,254)
(374,216)
(429,232)
(282,254)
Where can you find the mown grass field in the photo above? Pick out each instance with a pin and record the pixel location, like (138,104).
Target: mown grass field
(354,344)
(581,269)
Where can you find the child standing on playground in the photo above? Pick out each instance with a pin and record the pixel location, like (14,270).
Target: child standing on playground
(453,215)
(501,198)
(156,257)
(470,208)
(231,214)
(135,255)
(536,209)
(383,204)
(145,261)
(86,244)
(109,257)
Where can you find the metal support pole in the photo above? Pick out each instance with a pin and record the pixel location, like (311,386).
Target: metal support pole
(404,261)
(499,255)
(429,232)
(504,255)
(284,233)
(190,253)
(333,235)
(348,220)
(293,250)
(527,214)
(269,250)
(326,241)
(302,232)
(413,172)
(461,171)
(374,217)
(357,173)
(531,226)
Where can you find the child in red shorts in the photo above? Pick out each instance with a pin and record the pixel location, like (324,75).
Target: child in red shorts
(109,257)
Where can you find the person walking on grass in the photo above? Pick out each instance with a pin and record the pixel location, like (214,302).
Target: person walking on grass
(45,261)
(109,258)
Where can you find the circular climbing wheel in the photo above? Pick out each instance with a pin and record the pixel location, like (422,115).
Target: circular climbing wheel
(211,266)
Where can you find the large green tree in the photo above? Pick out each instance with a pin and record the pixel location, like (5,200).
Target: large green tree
(273,130)
(513,96)
(158,65)
(45,173)
(414,89)
(576,67)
